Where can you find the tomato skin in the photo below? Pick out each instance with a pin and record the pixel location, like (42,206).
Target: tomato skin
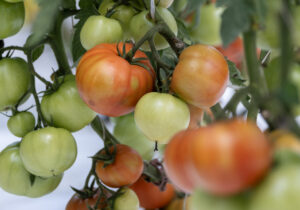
(98,29)
(141,23)
(160,116)
(224,158)
(12,17)
(48,151)
(200,64)
(128,133)
(125,170)
(208,29)
(21,123)
(13,71)
(280,190)
(108,83)
(78,203)
(150,196)
(15,179)
(127,201)
(65,109)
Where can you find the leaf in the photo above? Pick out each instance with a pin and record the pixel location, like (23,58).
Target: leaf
(193,5)
(236,19)
(69,4)
(45,20)
(83,15)
(37,52)
(235,75)
(85,4)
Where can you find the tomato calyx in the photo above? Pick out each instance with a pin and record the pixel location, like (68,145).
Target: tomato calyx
(106,155)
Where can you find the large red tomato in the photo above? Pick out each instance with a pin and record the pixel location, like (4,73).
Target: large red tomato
(224,158)
(149,194)
(125,170)
(108,83)
(201,76)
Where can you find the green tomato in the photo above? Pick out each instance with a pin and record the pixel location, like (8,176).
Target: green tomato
(164,3)
(160,116)
(141,23)
(180,5)
(12,18)
(208,29)
(128,133)
(48,151)
(128,200)
(15,80)
(279,191)
(21,123)
(15,179)
(203,201)
(65,109)
(98,29)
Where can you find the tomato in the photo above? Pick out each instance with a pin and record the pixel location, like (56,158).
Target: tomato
(179,204)
(196,116)
(21,123)
(280,190)
(125,170)
(128,133)
(31,10)
(12,17)
(98,29)
(224,158)
(283,139)
(200,64)
(160,116)
(13,71)
(127,201)
(234,52)
(141,23)
(48,151)
(122,13)
(150,196)
(164,3)
(207,30)
(180,5)
(15,179)
(79,203)
(108,83)
(65,109)
(202,201)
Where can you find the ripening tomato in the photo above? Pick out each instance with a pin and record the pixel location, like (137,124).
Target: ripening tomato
(108,83)
(224,158)
(21,123)
(200,64)
(283,139)
(149,194)
(125,170)
(160,116)
(179,204)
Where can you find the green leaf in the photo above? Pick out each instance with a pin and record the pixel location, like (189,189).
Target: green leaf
(289,93)
(45,20)
(235,75)
(69,4)
(193,5)
(37,52)
(88,4)
(236,19)
(83,15)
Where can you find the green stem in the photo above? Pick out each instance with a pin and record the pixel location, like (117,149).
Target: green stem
(2,50)
(57,46)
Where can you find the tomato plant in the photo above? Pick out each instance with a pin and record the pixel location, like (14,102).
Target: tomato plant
(127,200)
(126,168)
(141,23)
(98,29)
(21,123)
(128,133)
(65,109)
(200,64)
(13,71)
(150,196)
(116,90)
(160,116)
(12,17)
(14,178)
(48,152)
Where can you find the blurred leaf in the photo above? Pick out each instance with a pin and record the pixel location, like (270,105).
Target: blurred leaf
(260,11)
(69,4)
(193,5)
(272,74)
(45,20)
(83,15)
(289,93)
(235,75)
(236,19)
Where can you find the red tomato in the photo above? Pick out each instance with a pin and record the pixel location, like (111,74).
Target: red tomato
(108,83)
(150,196)
(234,52)
(224,158)
(125,170)
(201,76)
